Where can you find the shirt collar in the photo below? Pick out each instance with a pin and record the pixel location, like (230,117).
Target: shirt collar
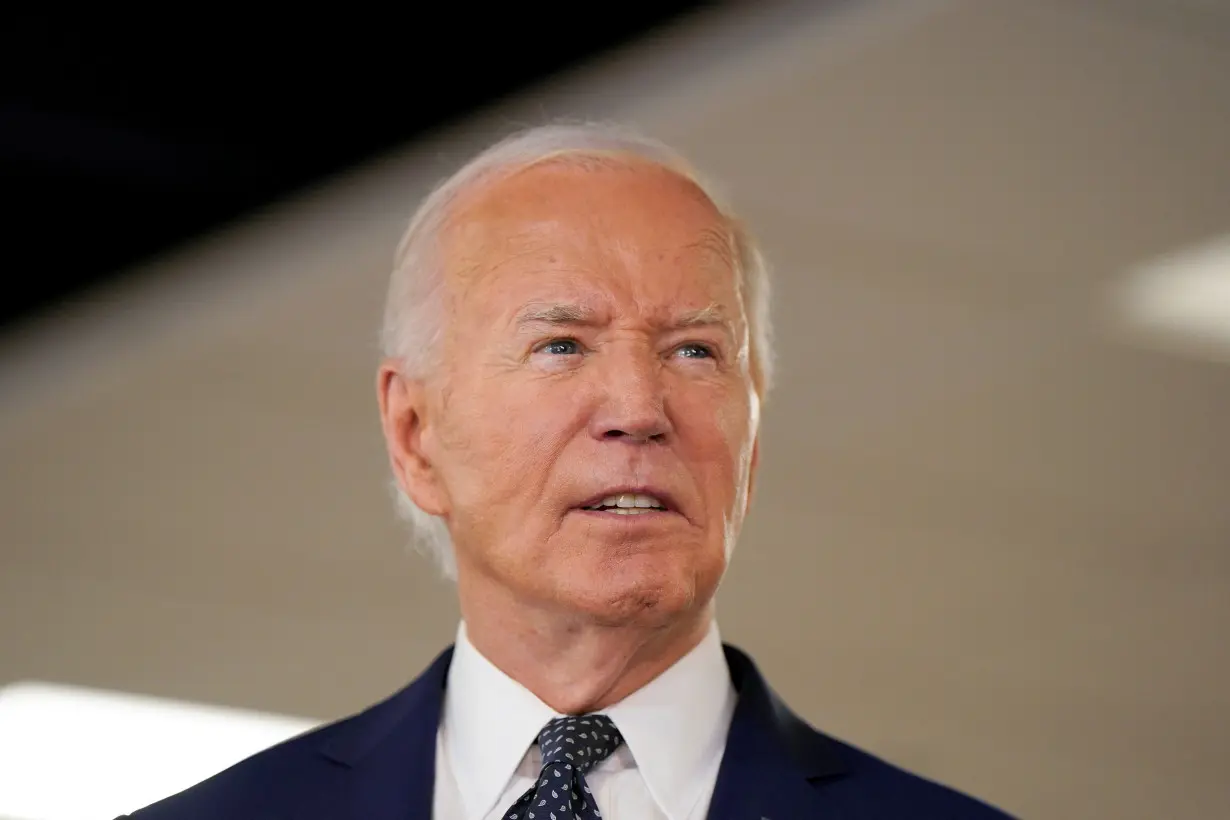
(489,722)
(675,726)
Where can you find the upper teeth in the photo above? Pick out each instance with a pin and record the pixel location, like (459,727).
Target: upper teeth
(630,500)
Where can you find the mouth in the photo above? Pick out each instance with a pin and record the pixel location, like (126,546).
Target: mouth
(639,501)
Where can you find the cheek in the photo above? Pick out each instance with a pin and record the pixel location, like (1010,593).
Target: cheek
(721,443)
(506,440)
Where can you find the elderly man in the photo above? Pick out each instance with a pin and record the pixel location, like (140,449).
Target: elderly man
(577,352)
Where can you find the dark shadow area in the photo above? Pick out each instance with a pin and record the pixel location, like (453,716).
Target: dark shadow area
(123,136)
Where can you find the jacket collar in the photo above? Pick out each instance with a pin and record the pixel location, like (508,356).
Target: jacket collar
(381,763)
(773,760)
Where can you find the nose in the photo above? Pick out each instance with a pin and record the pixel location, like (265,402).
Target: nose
(633,406)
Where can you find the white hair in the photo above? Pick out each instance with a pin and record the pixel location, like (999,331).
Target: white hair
(414,313)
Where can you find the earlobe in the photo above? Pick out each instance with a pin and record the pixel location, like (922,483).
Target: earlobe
(404,420)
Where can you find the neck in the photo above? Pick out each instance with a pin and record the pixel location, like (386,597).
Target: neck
(572,663)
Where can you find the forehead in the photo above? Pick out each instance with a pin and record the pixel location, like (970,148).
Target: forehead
(630,224)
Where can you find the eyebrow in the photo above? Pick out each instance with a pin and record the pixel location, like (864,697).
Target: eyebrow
(556,314)
(566,314)
(705,317)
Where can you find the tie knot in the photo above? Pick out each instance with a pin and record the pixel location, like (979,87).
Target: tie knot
(580,742)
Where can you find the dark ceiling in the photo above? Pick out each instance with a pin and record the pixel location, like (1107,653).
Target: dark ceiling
(121,137)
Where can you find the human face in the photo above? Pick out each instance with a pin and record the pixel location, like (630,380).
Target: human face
(597,346)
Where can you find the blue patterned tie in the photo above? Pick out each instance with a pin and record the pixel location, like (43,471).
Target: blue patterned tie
(571,746)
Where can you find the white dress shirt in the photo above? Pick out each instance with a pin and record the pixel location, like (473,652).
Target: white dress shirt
(674,731)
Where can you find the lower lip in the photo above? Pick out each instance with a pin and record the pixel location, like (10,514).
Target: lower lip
(651,517)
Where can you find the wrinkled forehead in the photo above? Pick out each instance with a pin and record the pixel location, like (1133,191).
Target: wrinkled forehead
(553,216)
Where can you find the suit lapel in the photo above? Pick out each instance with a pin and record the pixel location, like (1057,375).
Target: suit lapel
(381,764)
(773,759)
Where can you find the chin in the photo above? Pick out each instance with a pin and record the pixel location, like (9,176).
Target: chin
(646,590)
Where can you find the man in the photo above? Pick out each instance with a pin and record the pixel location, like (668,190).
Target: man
(577,352)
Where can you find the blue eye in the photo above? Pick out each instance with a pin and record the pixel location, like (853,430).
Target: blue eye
(562,347)
(696,351)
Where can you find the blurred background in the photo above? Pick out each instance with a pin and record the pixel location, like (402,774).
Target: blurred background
(991,541)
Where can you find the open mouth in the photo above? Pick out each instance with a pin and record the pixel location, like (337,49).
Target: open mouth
(628,504)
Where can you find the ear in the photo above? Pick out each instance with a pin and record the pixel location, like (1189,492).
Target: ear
(407,435)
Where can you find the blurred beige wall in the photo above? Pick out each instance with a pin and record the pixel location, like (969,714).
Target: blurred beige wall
(991,540)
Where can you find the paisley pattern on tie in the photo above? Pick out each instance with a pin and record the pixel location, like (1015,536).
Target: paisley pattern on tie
(571,746)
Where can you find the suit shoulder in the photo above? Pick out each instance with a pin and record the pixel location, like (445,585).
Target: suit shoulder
(263,786)
(873,783)
(279,781)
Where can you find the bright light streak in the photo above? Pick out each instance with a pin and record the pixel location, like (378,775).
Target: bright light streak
(69,753)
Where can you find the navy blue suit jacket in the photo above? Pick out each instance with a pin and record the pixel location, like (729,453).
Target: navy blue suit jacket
(380,765)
